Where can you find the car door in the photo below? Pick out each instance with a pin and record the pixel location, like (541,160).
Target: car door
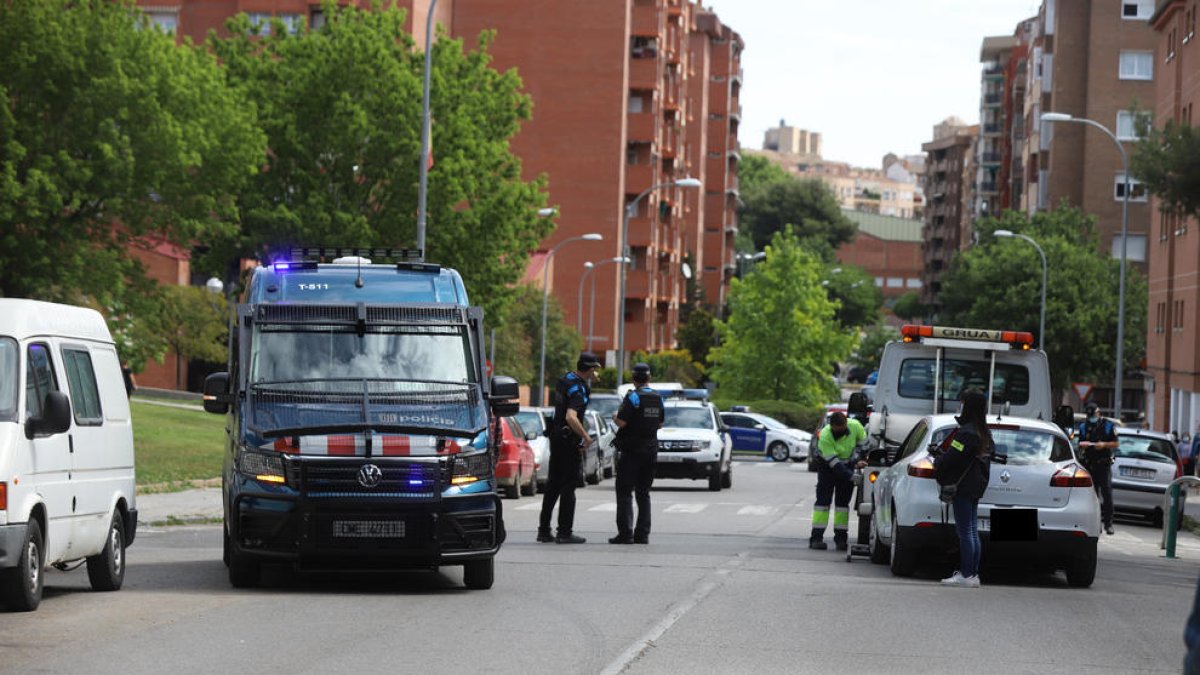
(744,434)
(885,485)
(95,467)
(51,455)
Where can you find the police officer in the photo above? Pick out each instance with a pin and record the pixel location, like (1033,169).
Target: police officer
(836,444)
(639,418)
(1097,444)
(569,440)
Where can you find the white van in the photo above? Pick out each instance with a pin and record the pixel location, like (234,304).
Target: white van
(66,450)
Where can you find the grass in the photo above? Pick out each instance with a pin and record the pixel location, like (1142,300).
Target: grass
(174,447)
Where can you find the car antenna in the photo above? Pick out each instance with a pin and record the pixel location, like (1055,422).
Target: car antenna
(358,282)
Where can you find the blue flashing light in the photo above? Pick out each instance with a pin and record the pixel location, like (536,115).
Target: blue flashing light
(282,267)
(416,481)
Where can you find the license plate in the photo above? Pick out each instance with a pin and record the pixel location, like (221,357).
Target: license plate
(1137,472)
(669,458)
(372,529)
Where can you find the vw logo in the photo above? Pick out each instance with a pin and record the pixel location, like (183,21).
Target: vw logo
(369,476)
(1005,476)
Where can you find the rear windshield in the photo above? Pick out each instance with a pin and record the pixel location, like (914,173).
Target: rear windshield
(1145,447)
(1029,446)
(530,421)
(1010,384)
(605,405)
(688,418)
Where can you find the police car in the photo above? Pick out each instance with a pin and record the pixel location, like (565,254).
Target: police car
(762,435)
(694,443)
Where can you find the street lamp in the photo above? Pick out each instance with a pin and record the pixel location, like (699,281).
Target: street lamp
(424,180)
(1119,380)
(587,270)
(214,285)
(1042,318)
(592,302)
(630,209)
(591,236)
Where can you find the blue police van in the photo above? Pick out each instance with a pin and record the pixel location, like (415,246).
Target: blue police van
(358,407)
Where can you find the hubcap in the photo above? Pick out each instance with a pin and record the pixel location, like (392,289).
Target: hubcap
(35,565)
(118,551)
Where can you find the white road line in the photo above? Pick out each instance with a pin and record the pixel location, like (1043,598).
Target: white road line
(755,510)
(606,506)
(685,508)
(529,507)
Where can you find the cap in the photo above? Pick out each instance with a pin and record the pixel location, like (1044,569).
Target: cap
(587,361)
(641,368)
(1091,406)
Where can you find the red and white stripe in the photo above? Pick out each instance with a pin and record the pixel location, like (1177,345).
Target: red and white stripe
(354,445)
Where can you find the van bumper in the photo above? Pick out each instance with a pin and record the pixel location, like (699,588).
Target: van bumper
(11,539)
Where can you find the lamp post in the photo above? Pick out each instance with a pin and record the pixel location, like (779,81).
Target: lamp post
(1119,379)
(1042,316)
(541,381)
(424,179)
(587,271)
(630,209)
(592,302)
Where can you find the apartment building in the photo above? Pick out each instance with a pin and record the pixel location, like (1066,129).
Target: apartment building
(949,193)
(1172,347)
(792,141)
(890,192)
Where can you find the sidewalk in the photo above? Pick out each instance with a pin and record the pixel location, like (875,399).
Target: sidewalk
(200,505)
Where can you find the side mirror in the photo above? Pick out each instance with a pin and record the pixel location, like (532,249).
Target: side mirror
(1064,417)
(504,387)
(530,435)
(216,393)
(878,457)
(857,404)
(505,408)
(55,419)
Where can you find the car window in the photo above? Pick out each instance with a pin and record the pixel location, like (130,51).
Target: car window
(39,379)
(81,382)
(770,422)
(1145,447)
(605,406)
(1009,385)
(1030,446)
(739,421)
(914,440)
(688,418)
(589,423)
(530,421)
(10,379)
(514,427)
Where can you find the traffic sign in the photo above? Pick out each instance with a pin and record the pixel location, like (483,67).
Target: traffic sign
(1083,389)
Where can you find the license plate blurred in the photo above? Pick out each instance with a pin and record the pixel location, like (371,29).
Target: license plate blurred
(369,529)
(1013,525)
(663,457)
(1137,472)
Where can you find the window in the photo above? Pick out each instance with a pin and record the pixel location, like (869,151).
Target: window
(631,156)
(1137,9)
(166,20)
(81,381)
(260,21)
(895,282)
(1177,316)
(1136,249)
(1010,384)
(635,104)
(291,23)
(39,379)
(912,283)
(1160,318)
(1136,66)
(1128,122)
(9,379)
(1137,191)
(316,19)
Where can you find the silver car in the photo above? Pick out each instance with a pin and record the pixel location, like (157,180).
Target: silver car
(534,424)
(1145,464)
(1040,505)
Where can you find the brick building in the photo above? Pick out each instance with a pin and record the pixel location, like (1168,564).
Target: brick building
(889,249)
(1172,347)
(949,180)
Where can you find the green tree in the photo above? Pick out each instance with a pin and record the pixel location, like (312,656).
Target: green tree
(518,339)
(997,284)
(781,335)
(772,199)
(853,290)
(341,107)
(670,365)
(1167,162)
(697,334)
(870,347)
(195,323)
(110,135)
(909,306)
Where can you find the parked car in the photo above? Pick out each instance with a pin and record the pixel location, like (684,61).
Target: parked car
(872,377)
(857,374)
(603,436)
(1040,505)
(694,443)
(762,435)
(516,469)
(1145,464)
(535,425)
(606,406)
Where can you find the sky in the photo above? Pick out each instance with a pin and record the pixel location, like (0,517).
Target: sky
(871,76)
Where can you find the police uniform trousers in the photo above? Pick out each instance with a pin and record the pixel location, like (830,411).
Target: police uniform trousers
(832,488)
(565,460)
(635,475)
(1101,470)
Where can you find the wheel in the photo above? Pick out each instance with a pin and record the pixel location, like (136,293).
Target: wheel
(879,554)
(727,477)
(531,489)
(22,585)
(904,561)
(106,569)
(778,451)
(608,470)
(594,477)
(1082,570)
(514,491)
(1156,518)
(479,574)
(244,572)
(714,481)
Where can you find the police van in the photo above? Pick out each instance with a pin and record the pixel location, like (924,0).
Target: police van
(66,450)
(358,419)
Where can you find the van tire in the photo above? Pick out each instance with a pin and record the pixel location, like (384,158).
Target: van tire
(879,554)
(479,575)
(727,477)
(22,585)
(244,572)
(106,569)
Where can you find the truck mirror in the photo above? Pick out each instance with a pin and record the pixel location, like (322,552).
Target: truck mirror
(1064,417)
(216,393)
(857,404)
(504,387)
(505,408)
(55,418)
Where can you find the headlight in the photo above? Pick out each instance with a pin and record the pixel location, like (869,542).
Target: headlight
(471,468)
(261,466)
(703,445)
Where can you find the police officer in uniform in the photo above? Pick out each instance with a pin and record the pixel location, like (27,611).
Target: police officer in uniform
(1097,444)
(569,440)
(639,418)
(836,444)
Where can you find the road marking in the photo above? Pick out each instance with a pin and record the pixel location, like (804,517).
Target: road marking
(529,507)
(685,508)
(755,510)
(606,506)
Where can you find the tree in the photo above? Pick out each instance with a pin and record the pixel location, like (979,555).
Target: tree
(341,108)
(857,298)
(997,284)
(870,348)
(1167,162)
(697,334)
(110,135)
(195,323)
(909,306)
(781,335)
(671,365)
(772,199)
(518,339)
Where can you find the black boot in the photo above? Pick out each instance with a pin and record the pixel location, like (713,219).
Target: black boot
(841,541)
(818,544)
(544,536)
(569,538)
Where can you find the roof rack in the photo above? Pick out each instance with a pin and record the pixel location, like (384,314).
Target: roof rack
(329,253)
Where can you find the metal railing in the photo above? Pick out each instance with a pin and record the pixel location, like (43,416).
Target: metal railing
(1171,512)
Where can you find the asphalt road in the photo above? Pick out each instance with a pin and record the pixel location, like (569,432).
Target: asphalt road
(726,585)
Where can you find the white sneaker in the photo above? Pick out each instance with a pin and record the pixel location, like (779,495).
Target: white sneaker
(971,582)
(956,579)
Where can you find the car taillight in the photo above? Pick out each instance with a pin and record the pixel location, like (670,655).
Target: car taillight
(1071,476)
(922,468)
(874,475)
(3,496)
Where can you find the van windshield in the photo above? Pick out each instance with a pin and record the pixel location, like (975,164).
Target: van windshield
(1010,384)
(9,379)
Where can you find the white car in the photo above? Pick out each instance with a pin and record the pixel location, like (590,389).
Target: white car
(532,421)
(1039,506)
(694,443)
(1145,465)
(762,435)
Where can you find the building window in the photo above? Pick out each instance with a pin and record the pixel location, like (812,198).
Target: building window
(1136,66)
(1128,122)
(1137,191)
(291,23)
(1137,9)
(635,104)
(1136,251)
(643,47)
(1177,315)
(316,19)
(1160,319)
(879,282)
(912,283)
(166,20)
(895,282)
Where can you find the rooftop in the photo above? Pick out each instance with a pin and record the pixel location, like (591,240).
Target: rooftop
(887,228)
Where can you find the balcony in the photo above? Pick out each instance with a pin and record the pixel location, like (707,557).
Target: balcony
(991,129)
(643,74)
(736,78)
(641,232)
(991,100)
(989,158)
(638,177)
(645,21)
(987,188)
(637,284)
(735,114)
(641,127)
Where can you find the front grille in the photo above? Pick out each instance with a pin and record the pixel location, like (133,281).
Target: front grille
(418,481)
(466,532)
(677,446)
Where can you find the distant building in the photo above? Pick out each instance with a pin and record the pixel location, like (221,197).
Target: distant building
(949,178)
(891,193)
(888,248)
(792,141)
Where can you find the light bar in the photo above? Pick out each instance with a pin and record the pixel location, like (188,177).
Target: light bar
(294,266)
(911,333)
(329,253)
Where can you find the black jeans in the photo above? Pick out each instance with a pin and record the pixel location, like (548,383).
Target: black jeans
(635,475)
(1101,470)
(565,459)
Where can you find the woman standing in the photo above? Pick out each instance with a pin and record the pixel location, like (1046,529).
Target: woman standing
(966,463)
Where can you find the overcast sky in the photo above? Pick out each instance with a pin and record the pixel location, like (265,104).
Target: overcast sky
(872,76)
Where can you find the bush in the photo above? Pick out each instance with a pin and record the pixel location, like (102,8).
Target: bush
(792,414)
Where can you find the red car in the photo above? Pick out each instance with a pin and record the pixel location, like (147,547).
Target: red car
(516,471)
